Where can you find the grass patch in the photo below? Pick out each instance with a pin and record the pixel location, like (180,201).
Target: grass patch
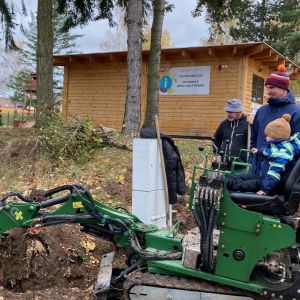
(106,172)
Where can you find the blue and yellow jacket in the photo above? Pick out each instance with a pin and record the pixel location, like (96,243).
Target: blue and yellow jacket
(281,157)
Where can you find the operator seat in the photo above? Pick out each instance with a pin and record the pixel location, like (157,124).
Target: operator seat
(283,204)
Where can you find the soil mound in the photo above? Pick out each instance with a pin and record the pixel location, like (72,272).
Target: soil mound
(60,257)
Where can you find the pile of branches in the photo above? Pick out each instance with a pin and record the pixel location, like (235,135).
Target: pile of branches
(75,138)
(111,138)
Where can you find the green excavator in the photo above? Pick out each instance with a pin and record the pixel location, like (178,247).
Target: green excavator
(244,247)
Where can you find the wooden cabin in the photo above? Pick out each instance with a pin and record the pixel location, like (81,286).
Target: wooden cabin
(194,86)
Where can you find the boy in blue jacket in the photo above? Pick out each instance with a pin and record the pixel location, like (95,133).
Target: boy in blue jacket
(280,157)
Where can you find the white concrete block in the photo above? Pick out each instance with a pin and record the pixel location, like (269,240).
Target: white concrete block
(149,207)
(147,172)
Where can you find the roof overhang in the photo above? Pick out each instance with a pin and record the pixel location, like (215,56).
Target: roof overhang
(259,51)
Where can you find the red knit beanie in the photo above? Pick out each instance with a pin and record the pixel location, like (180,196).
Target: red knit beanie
(279,78)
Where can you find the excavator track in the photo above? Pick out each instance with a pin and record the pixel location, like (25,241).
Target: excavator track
(147,286)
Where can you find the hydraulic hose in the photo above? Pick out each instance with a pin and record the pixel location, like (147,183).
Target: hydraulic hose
(69,187)
(89,205)
(209,243)
(195,209)
(15,194)
(148,255)
(202,209)
(54,201)
(210,259)
(205,214)
(115,226)
(196,217)
(61,219)
(200,217)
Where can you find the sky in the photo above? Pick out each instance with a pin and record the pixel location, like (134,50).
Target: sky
(185,30)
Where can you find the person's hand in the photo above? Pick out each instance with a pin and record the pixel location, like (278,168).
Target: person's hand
(254,150)
(261,193)
(250,119)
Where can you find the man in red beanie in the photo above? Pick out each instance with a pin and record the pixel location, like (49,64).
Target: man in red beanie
(280,101)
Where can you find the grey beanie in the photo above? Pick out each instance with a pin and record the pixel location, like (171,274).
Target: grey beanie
(234,105)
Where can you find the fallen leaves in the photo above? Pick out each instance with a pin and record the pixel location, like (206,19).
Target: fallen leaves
(121,179)
(88,245)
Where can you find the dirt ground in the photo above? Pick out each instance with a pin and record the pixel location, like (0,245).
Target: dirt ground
(61,262)
(51,264)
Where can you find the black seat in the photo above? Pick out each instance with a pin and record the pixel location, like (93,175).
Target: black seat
(252,201)
(283,204)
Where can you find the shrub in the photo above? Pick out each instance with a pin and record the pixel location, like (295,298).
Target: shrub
(71,139)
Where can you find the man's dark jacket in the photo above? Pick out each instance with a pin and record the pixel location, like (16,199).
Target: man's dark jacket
(173,165)
(236,132)
(265,114)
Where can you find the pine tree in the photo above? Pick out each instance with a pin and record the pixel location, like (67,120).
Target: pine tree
(276,22)
(64,43)
(7,19)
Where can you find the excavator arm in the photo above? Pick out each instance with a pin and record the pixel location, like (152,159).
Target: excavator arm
(160,251)
(75,204)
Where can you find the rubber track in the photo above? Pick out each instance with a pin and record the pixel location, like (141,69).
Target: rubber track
(182,283)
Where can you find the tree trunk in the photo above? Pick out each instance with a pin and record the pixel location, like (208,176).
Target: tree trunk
(132,115)
(44,57)
(154,65)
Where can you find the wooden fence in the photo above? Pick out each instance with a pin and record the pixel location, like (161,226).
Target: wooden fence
(15,118)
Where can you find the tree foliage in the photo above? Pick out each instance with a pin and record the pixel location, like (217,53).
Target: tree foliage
(82,12)
(166,39)
(63,43)
(8,11)
(276,22)
(116,38)
(221,38)
(10,64)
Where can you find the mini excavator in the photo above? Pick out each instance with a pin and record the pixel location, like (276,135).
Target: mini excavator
(245,246)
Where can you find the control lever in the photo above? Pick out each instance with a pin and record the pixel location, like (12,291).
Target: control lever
(227,142)
(219,163)
(200,148)
(214,145)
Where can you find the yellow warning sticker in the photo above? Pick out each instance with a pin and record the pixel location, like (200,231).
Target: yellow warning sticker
(77,205)
(19,215)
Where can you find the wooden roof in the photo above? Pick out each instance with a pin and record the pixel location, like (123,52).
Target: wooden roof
(258,51)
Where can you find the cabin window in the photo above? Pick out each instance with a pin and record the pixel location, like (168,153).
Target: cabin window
(257,89)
